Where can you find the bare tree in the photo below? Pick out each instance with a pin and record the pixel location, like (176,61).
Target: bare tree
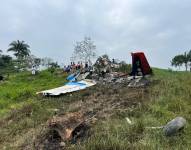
(84,50)
(33,62)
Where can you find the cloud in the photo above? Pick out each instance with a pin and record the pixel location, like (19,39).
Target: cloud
(159,28)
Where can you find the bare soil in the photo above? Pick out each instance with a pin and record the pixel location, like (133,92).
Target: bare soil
(93,105)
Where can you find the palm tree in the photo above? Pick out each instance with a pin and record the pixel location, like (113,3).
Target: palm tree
(20,49)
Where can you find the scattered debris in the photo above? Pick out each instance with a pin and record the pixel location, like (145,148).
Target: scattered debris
(174,126)
(161,127)
(102,66)
(70,127)
(82,76)
(102,73)
(73,76)
(128,121)
(139,82)
(137,78)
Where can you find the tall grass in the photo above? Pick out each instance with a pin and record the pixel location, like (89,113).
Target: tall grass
(169,97)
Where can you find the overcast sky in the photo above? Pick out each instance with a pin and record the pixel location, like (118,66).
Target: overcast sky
(160,28)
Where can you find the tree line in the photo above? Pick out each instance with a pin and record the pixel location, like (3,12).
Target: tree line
(23,59)
(84,51)
(182,59)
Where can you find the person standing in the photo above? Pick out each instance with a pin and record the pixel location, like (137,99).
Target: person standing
(33,70)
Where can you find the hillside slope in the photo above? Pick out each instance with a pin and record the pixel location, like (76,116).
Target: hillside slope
(24,115)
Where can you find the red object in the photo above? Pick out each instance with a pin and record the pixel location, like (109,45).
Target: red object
(146,69)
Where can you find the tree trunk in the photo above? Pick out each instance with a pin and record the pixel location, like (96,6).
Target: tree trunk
(186,65)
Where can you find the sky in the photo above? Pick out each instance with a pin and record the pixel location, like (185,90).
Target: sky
(159,28)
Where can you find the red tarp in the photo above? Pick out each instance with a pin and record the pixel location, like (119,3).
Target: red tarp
(146,69)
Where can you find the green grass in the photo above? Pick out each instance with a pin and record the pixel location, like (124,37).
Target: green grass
(169,97)
(21,88)
(21,110)
(23,113)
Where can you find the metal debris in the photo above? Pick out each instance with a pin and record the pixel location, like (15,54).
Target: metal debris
(139,82)
(128,121)
(69,88)
(174,126)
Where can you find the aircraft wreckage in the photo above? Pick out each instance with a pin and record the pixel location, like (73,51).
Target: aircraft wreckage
(102,72)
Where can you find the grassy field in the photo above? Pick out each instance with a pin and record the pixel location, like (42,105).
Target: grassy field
(21,88)
(23,113)
(169,97)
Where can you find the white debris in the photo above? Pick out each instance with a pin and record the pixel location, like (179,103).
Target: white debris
(128,121)
(68,88)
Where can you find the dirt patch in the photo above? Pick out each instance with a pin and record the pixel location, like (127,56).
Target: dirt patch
(97,103)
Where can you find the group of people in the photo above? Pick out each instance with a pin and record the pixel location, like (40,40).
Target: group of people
(73,67)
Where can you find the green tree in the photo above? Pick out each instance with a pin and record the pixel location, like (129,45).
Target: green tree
(21,50)
(53,67)
(179,60)
(6,64)
(186,60)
